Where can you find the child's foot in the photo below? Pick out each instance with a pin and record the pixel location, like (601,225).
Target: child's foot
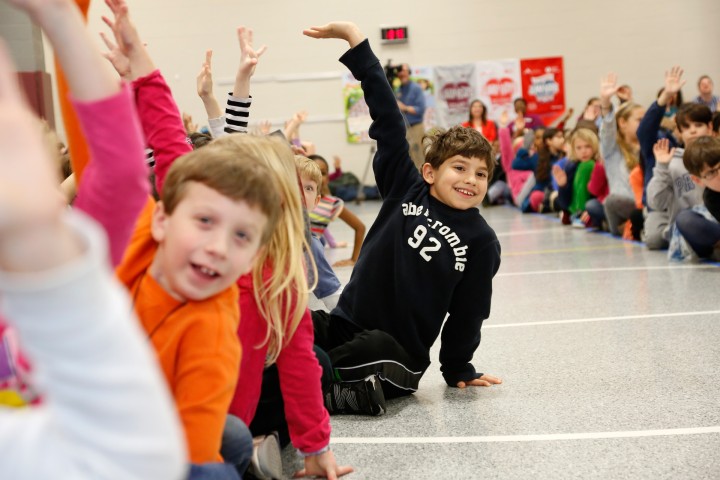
(577,222)
(565,218)
(266,462)
(362,397)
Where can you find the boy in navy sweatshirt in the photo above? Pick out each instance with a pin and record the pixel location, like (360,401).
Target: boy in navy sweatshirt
(428,255)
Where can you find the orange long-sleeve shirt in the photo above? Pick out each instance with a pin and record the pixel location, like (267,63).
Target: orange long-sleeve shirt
(196,344)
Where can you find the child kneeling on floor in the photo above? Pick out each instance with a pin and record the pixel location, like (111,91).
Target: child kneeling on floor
(430,253)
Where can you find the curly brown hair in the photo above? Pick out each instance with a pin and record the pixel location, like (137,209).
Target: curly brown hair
(441,145)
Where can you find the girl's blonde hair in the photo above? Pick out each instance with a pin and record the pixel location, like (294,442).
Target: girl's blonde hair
(588,136)
(631,155)
(282,297)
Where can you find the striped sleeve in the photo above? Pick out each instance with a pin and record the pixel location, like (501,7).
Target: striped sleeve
(237,113)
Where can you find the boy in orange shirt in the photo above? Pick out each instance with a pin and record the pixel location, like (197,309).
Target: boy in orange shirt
(215,214)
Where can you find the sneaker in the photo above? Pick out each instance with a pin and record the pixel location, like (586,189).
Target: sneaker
(577,222)
(266,461)
(362,397)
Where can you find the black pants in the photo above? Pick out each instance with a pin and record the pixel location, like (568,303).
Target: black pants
(270,413)
(355,353)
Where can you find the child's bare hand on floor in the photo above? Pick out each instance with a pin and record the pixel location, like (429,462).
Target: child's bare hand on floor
(324,466)
(484,381)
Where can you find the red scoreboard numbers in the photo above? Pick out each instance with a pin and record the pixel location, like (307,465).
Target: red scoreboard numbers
(394,34)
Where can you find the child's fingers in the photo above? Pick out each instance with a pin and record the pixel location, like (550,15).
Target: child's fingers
(299,474)
(110,45)
(208,57)
(261,51)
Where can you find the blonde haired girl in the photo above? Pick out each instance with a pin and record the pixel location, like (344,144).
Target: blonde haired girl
(574,177)
(620,149)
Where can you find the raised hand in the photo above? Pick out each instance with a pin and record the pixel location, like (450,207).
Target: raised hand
(673,80)
(484,381)
(559,175)
(608,88)
(249,57)
(504,119)
(662,151)
(337,162)
(128,42)
(115,55)
(190,126)
(324,466)
(204,78)
(347,31)
(264,127)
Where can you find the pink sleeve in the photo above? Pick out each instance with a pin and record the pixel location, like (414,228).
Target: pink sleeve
(115,185)
(506,150)
(515,178)
(335,175)
(308,420)
(161,122)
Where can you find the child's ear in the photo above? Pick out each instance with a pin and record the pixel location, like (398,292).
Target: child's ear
(696,180)
(428,173)
(158,225)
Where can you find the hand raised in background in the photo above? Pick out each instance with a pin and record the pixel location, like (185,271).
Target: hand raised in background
(249,57)
(662,151)
(204,78)
(608,88)
(127,43)
(559,175)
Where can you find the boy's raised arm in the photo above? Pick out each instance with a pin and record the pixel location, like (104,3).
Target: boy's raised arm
(394,171)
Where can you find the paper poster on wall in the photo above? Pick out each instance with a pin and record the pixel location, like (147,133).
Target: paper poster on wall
(357,114)
(544,87)
(498,85)
(456,86)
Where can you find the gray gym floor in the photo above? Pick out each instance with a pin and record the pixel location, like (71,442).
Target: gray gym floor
(610,360)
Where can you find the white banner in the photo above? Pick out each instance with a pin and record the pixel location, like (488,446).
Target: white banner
(456,87)
(499,84)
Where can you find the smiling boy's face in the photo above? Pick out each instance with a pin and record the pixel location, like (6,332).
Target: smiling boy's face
(207,242)
(460,182)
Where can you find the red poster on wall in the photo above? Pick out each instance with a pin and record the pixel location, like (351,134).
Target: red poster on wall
(543,86)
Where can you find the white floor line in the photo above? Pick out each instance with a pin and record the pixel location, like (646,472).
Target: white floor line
(604,319)
(523,232)
(607,269)
(527,438)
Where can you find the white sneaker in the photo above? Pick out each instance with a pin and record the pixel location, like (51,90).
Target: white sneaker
(266,462)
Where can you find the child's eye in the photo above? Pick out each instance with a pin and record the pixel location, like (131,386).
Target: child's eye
(459,168)
(482,174)
(204,220)
(242,236)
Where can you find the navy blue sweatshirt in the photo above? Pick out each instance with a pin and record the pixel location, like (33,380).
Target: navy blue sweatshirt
(421,258)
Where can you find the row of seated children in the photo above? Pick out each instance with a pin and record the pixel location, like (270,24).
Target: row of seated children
(628,177)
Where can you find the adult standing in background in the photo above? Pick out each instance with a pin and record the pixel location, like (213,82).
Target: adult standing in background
(411,101)
(706,97)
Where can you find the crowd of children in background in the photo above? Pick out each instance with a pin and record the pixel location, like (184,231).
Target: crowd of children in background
(621,168)
(221,250)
